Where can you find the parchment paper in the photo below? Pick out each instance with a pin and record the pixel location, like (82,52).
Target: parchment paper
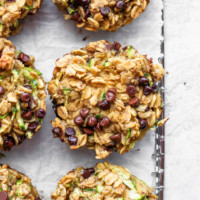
(47,36)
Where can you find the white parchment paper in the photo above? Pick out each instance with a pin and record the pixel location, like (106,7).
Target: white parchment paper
(47,36)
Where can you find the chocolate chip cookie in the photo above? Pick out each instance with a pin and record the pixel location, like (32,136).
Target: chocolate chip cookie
(22,96)
(106,15)
(15,185)
(104,181)
(105,97)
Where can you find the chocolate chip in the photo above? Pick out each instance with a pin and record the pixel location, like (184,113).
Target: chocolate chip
(21,139)
(0,53)
(78,120)
(25,97)
(143,81)
(40,113)
(72,140)
(76,17)
(88,131)
(134,101)
(110,97)
(2,90)
(28,87)
(84,112)
(87,173)
(104,104)
(98,127)
(131,90)
(27,115)
(116,46)
(116,138)
(8,143)
(154,87)
(92,121)
(32,126)
(104,11)
(120,4)
(105,122)
(3,195)
(23,57)
(70,131)
(38,198)
(87,14)
(143,123)
(113,90)
(57,132)
(147,90)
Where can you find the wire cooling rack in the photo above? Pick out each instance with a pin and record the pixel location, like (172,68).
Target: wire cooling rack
(159,152)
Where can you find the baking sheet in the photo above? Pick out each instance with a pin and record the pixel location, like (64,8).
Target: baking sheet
(47,36)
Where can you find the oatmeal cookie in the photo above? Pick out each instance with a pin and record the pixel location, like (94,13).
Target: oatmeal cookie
(106,15)
(22,96)
(12,12)
(15,185)
(104,181)
(106,97)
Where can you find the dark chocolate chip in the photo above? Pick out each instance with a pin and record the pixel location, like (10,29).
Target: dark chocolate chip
(2,90)
(143,81)
(21,139)
(110,97)
(116,138)
(120,4)
(147,90)
(86,173)
(8,143)
(131,90)
(70,131)
(27,115)
(113,90)
(25,97)
(40,113)
(32,126)
(143,123)
(84,112)
(134,101)
(104,104)
(104,11)
(3,195)
(78,120)
(105,122)
(72,140)
(92,121)
(57,132)
(88,131)
(23,57)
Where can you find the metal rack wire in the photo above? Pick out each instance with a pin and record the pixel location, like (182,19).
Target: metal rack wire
(159,152)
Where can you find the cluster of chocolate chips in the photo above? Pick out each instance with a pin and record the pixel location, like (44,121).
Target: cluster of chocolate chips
(91,123)
(110,98)
(73,5)
(27,114)
(147,89)
(135,101)
(120,5)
